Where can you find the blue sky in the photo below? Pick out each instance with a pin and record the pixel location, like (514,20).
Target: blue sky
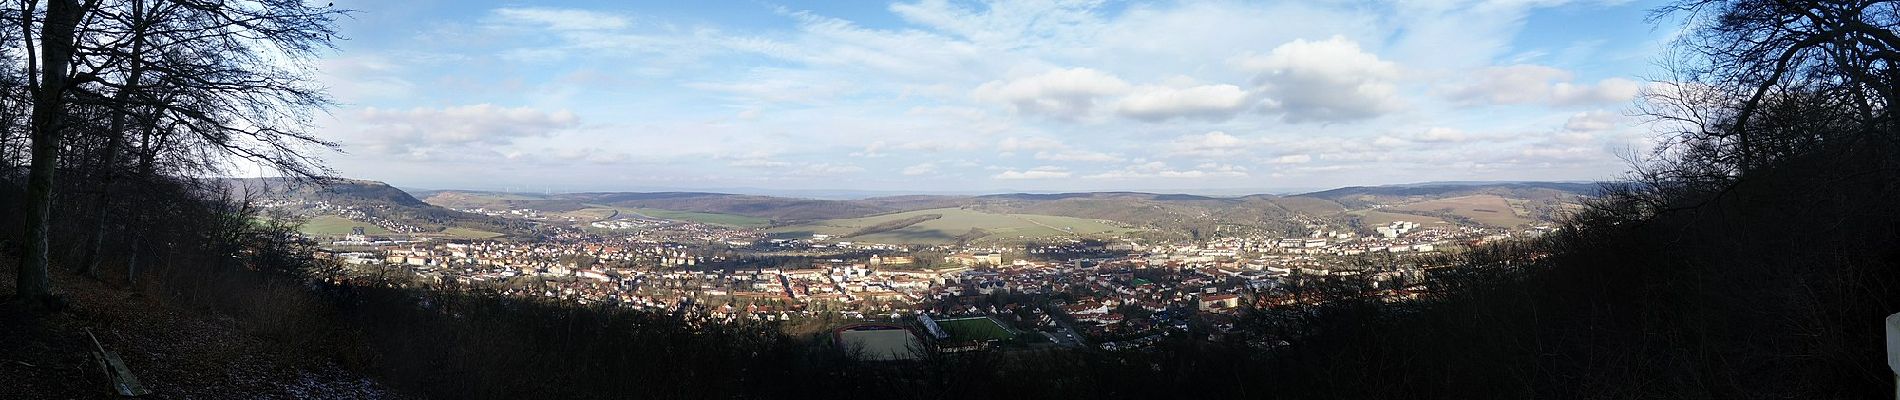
(937,95)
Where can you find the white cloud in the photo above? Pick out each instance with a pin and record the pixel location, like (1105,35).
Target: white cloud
(1388,141)
(424,129)
(779,86)
(1208,145)
(359,78)
(1076,155)
(758,163)
(920,169)
(826,169)
(1004,23)
(1562,153)
(1538,84)
(1042,172)
(562,19)
(1325,81)
(1157,169)
(1592,121)
(1442,135)
(1086,85)
(1012,144)
(1063,93)
(873,150)
(1292,159)
(1160,103)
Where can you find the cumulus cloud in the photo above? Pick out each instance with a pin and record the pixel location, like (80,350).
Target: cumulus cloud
(1042,172)
(873,150)
(1077,86)
(1442,135)
(1291,159)
(1547,153)
(1063,93)
(1076,155)
(825,169)
(1161,103)
(920,169)
(1592,121)
(1012,144)
(1157,169)
(424,129)
(1214,144)
(1332,80)
(562,19)
(758,163)
(1537,84)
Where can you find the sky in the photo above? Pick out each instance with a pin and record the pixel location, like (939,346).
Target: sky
(957,96)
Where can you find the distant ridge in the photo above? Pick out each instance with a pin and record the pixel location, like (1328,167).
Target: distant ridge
(373,198)
(1438,188)
(1162,212)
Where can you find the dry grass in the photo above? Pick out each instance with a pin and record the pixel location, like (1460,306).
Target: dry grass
(1485,209)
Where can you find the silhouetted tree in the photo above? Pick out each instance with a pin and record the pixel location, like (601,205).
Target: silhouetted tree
(49,101)
(197,81)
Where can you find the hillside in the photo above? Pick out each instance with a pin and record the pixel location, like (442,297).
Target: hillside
(767,207)
(1364,196)
(332,204)
(1485,209)
(272,347)
(951,225)
(1186,215)
(1171,215)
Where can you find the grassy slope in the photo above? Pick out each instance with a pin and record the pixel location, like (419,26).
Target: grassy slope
(702,217)
(1485,209)
(331,225)
(470,233)
(955,222)
(595,212)
(1373,218)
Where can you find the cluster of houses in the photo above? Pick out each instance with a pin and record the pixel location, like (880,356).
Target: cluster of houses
(1125,291)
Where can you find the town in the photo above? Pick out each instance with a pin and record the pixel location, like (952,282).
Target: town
(1110,293)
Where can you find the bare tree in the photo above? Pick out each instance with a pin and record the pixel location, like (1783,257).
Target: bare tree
(1798,63)
(55,56)
(198,82)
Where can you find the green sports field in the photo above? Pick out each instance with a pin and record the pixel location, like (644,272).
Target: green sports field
(331,225)
(975,329)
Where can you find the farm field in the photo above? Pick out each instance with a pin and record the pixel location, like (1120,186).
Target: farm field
(1485,209)
(331,225)
(952,223)
(595,212)
(740,221)
(1371,218)
(470,233)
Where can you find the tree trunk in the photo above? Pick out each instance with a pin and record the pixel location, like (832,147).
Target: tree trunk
(115,132)
(142,179)
(56,53)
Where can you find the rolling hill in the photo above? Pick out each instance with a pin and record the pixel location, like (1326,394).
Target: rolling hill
(771,208)
(1501,204)
(1484,209)
(950,225)
(351,202)
(1365,196)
